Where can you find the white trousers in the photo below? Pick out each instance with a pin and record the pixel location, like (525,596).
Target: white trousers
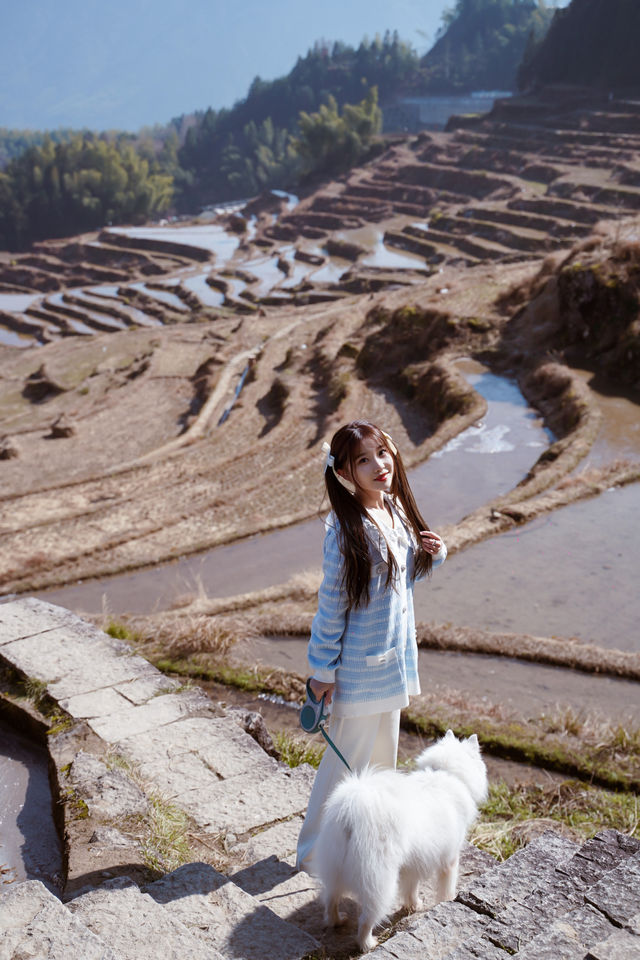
(361,741)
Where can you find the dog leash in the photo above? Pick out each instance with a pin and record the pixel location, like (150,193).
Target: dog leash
(312,720)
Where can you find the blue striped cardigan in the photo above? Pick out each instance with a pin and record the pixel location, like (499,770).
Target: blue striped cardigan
(370,652)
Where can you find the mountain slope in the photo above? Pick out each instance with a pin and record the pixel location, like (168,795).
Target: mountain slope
(591,43)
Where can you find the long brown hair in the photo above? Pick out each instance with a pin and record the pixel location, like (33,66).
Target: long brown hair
(353,540)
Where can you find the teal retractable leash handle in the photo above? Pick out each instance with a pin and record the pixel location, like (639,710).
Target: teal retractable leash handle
(312,719)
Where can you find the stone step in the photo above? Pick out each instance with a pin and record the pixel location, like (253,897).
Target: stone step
(136,926)
(35,924)
(271,876)
(218,774)
(444,930)
(549,900)
(620,945)
(511,880)
(217,911)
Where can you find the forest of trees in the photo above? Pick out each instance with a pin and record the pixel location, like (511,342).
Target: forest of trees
(317,121)
(592,43)
(482,44)
(256,144)
(82,183)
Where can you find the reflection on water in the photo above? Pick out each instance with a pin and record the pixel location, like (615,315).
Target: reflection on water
(29,845)
(433,113)
(104,290)
(446,488)
(528,688)
(298,270)
(267,271)
(619,434)
(384,256)
(12,339)
(571,573)
(487,459)
(331,271)
(17,302)
(292,200)
(76,325)
(378,253)
(209,236)
(206,294)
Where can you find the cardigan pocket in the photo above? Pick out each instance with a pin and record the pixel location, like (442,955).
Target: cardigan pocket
(382,659)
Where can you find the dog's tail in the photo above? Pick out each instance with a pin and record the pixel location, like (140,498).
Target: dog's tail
(361,827)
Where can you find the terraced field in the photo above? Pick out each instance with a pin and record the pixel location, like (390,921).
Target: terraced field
(188,372)
(514,187)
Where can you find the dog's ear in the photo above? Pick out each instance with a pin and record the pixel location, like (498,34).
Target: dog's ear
(449,735)
(473,740)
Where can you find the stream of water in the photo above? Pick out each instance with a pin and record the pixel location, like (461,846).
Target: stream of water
(30,848)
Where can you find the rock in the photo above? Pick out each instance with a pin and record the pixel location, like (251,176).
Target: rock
(40,385)
(155,713)
(9,449)
(280,840)
(107,793)
(491,892)
(135,925)
(617,895)
(621,945)
(71,656)
(34,924)
(110,837)
(253,723)
(97,704)
(146,688)
(604,852)
(62,427)
(29,617)
(568,936)
(214,909)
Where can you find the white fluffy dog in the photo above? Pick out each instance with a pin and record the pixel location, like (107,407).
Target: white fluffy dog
(384,831)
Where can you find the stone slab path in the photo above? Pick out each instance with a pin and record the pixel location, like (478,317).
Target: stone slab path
(553,899)
(204,763)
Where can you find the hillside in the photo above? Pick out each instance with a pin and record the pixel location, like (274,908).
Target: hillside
(482,44)
(592,43)
(480,209)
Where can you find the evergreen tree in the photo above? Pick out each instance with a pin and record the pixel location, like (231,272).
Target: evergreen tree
(56,190)
(481,44)
(591,43)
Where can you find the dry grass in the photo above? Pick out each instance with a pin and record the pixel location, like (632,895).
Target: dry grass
(202,634)
(568,653)
(512,816)
(210,625)
(302,586)
(581,744)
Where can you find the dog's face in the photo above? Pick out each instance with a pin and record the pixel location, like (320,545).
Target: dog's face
(461,758)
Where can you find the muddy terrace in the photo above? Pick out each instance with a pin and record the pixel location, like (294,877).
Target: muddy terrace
(517,241)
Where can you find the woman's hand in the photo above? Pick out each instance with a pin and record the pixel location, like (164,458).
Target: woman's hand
(431,542)
(322,688)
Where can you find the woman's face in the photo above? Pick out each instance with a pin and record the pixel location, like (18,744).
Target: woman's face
(372,471)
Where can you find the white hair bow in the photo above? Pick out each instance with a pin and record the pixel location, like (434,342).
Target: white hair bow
(330,463)
(330,460)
